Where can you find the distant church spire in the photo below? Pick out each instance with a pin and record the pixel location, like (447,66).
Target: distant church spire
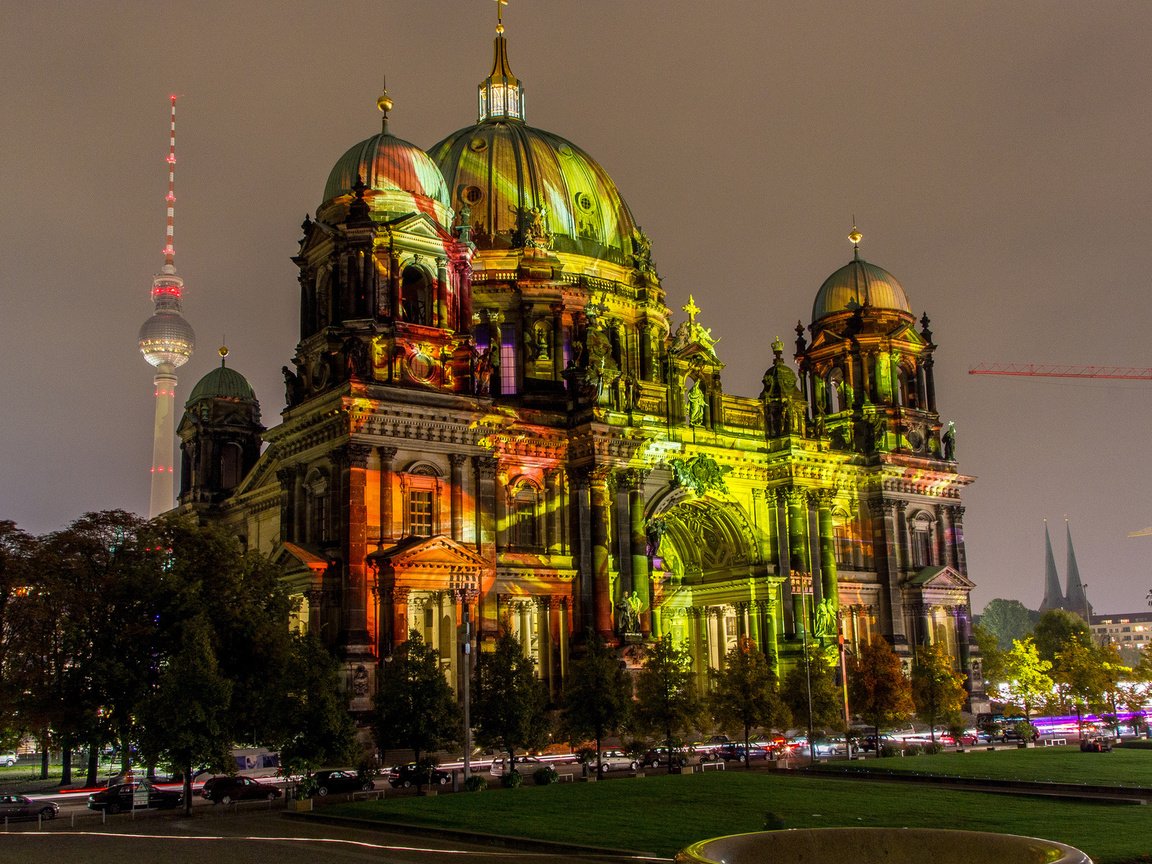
(1053,596)
(1075,598)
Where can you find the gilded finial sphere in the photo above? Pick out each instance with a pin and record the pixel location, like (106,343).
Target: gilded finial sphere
(384,103)
(222,351)
(855,236)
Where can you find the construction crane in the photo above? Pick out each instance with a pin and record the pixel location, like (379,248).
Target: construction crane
(1036,370)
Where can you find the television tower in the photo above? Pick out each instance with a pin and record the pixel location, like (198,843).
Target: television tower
(166,341)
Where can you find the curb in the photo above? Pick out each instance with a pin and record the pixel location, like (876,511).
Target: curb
(500,840)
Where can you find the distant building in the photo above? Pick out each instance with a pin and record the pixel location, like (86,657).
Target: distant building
(1130,632)
(493,420)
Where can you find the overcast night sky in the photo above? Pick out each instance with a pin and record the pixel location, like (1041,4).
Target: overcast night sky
(995,157)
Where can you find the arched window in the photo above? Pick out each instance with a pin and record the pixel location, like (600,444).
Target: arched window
(842,535)
(834,391)
(922,531)
(416,294)
(231,463)
(522,533)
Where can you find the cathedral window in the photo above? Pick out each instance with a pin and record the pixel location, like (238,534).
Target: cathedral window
(523,533)
(922,526)
(231,458)
(834,391)
(507,361)
(416,296)
(420,513)
(842,536)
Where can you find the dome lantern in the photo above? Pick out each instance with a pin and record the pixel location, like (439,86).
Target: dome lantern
(500,96)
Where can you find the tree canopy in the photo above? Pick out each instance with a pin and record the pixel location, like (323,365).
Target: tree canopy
(666,698)
(508,699)
(597,696)
(1008,620)
(878,690)
(1026,676)
(744,694)
(937,687)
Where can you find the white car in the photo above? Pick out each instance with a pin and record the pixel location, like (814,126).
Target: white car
(616,760)
(8,759)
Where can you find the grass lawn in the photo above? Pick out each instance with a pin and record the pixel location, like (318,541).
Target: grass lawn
(1121,767)
(661,815)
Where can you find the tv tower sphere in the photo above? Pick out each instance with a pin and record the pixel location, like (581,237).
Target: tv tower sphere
(167,339)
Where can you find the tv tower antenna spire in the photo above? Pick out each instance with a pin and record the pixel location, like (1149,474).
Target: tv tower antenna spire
(166,341)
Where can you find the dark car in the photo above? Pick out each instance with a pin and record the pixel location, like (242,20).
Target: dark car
(23,807)
(658,756)
(122,796)
(341,781)
(226,789)
(737,753)
(404,776)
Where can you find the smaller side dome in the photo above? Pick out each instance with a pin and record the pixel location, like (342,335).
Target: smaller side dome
(387,163)
(857,284)
(222,383)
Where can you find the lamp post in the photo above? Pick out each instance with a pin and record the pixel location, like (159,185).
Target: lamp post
(466,650)
(800,582)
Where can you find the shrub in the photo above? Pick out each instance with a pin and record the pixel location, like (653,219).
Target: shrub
(1026,730)
(772,822)
(512,780)
(913,750)
(889,750)
(545,776)
(475,783)
(931,749)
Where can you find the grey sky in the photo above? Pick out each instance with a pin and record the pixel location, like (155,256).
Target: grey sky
(994,155)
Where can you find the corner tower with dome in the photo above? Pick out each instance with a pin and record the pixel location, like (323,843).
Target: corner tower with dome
(493,425)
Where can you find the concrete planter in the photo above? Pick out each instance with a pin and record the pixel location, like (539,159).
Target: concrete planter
(880,846)
(300,805)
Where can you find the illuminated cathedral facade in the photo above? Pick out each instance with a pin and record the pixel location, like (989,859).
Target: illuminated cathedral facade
(494,424)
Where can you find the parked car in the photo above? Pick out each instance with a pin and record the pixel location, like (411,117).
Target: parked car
(735,752)
(523,764)
(23,807)
(404,776)
(122,796)
(1096,744)
(658,756)
(340,781)
(224,789)
(617,760)
(8,759)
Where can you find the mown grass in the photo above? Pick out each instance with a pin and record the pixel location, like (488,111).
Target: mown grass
(660,815)
(1124,766)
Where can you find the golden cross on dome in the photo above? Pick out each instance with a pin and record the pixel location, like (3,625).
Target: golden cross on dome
(500,4)
(692,309)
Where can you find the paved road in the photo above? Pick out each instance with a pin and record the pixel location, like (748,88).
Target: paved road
(253,837)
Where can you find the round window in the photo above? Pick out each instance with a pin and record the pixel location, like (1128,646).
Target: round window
(472,195)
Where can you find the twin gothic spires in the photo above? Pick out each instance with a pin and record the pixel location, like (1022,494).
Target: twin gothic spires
(1072,600)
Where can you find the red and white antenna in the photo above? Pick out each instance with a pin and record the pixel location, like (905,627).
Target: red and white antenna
(169,250)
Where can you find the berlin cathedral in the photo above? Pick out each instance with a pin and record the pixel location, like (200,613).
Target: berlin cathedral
(494,425)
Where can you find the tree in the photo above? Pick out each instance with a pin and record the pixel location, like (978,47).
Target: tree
(415,708)
(1116,676)
(1008,620)
(508,700)
(744,693)
(877,687)
(666,700)
(937,688)
(991,655)
(1056,630)
(319,729)
(1026,677)
(188,732)
(817,676)
(597,697)
(1080,678)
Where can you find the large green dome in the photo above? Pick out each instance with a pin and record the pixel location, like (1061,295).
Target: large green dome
(857,284)
(222,383)
(504,169)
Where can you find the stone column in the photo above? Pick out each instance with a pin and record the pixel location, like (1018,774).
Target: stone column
(299,505)
(885,533)
(488,623)
(944,521)
(584,607)
(353,464)
(544,636)
(557,341)
(641,576)
(930,382)
(287,480)
(387,455)
(797,530)
(442,293)
(828,581)
(956,517)
(399,603)
(601,493)
(456,462)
